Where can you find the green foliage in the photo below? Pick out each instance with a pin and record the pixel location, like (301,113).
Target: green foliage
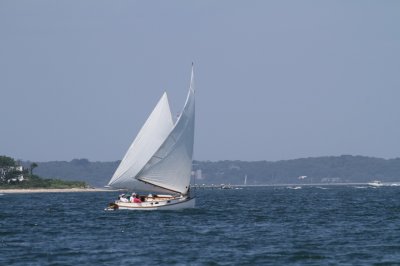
(6,161)
(33,166)
(37,182)
(80,162)
(12,174)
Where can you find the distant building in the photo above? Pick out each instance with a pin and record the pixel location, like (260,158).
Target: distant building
(5,170)
(197,174)
(2,173)
(331,180)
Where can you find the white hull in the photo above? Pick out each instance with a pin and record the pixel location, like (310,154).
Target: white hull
(173,204)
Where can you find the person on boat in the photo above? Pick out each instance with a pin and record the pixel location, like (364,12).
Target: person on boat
(132,198)
(149,197)
(137,199)
(122,198)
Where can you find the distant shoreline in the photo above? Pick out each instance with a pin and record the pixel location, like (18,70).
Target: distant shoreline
(53,190)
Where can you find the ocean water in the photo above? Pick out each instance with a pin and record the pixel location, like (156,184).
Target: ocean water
(250,226)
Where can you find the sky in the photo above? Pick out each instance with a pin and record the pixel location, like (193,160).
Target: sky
(275,80)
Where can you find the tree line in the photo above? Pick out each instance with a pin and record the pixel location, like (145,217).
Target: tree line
(329,169)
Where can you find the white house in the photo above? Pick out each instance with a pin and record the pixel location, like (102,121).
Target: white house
(5,170)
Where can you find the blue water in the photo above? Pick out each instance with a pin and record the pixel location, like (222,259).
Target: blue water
(252,226)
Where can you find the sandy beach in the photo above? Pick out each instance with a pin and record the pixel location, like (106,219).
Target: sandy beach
(52,190)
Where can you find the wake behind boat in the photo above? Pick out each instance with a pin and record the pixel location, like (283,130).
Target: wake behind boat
(159,160)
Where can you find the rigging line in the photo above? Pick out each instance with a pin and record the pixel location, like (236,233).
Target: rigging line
(194,184)
(173,137)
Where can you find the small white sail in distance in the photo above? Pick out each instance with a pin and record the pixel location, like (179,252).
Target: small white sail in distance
(160,158)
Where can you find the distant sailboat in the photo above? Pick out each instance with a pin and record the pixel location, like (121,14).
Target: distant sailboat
(245,180)
(159,160)
(375,183)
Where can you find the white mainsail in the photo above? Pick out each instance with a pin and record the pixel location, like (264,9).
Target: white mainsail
(163,161)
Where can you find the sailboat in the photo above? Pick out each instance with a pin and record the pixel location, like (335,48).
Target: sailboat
(159,160)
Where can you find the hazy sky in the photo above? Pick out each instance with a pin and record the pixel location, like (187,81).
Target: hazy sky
(275,79)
